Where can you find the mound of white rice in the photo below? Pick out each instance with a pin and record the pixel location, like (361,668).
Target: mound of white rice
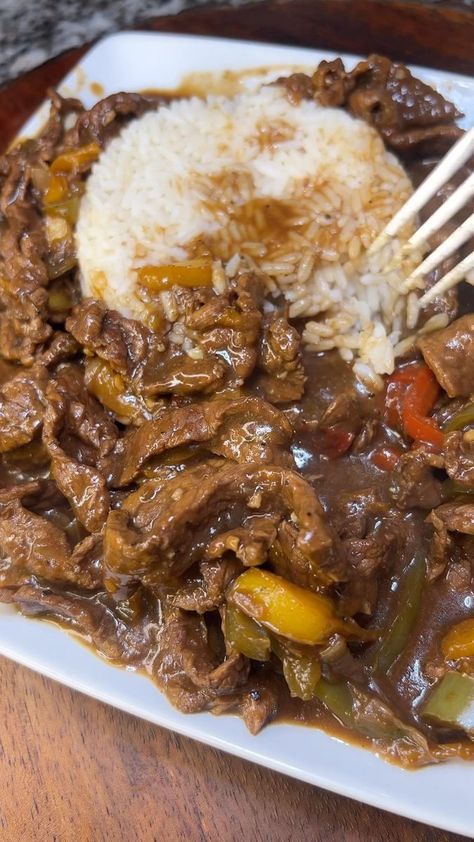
(297,191)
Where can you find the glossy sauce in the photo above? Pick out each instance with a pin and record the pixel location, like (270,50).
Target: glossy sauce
(409,678)
(327,377)
(407,682)
(226,82)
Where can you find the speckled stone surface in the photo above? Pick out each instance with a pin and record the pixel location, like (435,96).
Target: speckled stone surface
(31,31)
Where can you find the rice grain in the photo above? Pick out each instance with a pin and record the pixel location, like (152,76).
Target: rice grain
(301,212)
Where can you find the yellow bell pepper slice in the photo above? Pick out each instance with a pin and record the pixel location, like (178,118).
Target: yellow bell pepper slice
(289,610)
(110,389)
(59,300)
(75,159)
(57,228)
(459,641)
(193,273)
(68,209)
(58,189)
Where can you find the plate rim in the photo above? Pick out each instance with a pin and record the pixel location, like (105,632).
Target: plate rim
(189,725)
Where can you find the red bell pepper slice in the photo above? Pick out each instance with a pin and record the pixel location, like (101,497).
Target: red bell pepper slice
(412,392)
(385,458)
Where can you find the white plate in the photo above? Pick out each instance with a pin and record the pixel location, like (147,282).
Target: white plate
(436,795)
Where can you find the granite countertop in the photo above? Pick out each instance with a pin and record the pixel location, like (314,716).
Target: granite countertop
(32,32)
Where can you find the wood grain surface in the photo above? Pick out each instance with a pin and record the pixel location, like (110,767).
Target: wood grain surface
(74,770)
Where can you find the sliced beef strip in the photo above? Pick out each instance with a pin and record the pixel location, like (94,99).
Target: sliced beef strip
(89,432)
(87,562)
(331,84)
(143,358)
(450,355)
(367,529)
(291,561)
(30,462)
(359,596)
(107,117)
(175,648)
(206,591)
(22,491)
(30,259)
(418,104)
(407,113)
(23,245)
(456,516)
(363,556)
(161,531)
(244,429)
(124,343)
(32,546)
(248,430)
(76,432)
(258,703)
(341,422)
(459,457)
(27,261)
(356,513)
(176,373)
(188,670)
(414,484)
(159,470)
(97,620)
(451,551)
(24,249)
(342,408)
(366,436)
(228,327)
(249,543)
(220,680)
(225,327)
(46,144)
(83,486)
(22,406)
(441,547)
(52,135)
(460,578)
(422,140)
(23,329)
(364,539)
(280,361)
(62,347)
(298,86)
(44,498)
(447,302)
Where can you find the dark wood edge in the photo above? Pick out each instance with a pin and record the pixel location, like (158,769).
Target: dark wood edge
(436,35)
